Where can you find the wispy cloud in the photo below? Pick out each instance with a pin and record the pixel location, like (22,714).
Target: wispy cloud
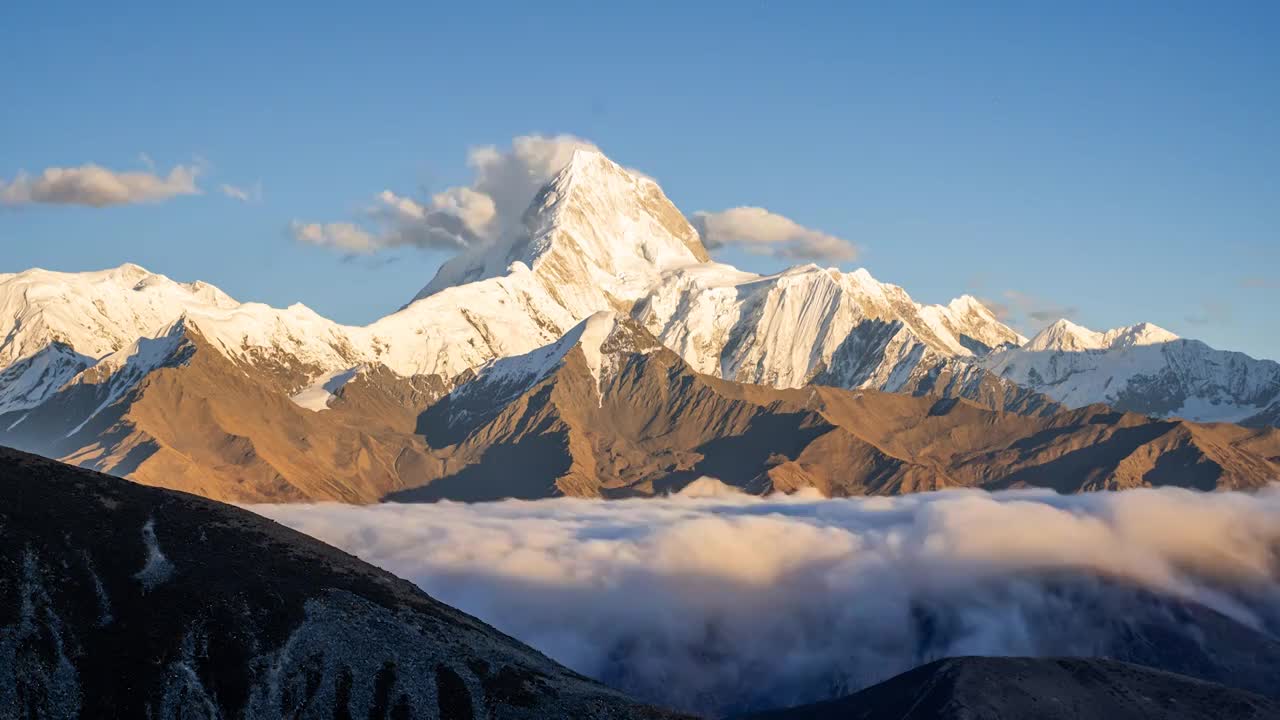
(250,194)
(340,236)
(758,230)
(95,186)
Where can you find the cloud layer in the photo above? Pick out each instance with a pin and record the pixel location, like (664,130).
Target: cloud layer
(759,231)
(96,186)
(722,602)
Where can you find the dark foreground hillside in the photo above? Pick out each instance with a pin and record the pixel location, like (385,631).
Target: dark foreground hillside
(118,600)
(981,688)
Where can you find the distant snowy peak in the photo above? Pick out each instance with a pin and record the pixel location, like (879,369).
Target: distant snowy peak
(1067,336)
(596,232)
(1136,335)
(93,313)
(1141,368)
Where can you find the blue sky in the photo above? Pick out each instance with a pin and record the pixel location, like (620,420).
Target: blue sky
(1115,162)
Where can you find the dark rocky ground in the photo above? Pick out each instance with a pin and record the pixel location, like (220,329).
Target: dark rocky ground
(119,600)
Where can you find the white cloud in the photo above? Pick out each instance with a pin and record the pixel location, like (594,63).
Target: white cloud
(723,601)
(512,176)
(757,230)
(505,181)
(96,186)
(341,236)
(251,194)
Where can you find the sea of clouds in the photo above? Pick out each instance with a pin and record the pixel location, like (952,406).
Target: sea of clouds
(715,601)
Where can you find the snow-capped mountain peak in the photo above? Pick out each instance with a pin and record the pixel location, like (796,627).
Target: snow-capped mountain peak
(1143,333)
(1142,368)
(595,231)
(94,313)
(1066,336)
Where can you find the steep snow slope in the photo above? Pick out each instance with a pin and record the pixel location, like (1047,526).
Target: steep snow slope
(1142,368)
(783,329)
(33,379)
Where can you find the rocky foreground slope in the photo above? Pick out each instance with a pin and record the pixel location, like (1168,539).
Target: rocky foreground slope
(118,600)
(1049,689)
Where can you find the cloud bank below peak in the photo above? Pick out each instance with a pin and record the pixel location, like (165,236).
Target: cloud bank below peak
(719,602)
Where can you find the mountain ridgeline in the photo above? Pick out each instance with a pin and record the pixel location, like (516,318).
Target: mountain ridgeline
(600,352)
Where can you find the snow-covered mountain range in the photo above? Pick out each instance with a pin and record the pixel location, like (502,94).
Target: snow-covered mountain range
(600,239)
(1142,368)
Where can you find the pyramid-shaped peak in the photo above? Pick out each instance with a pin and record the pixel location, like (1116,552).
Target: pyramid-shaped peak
(597,235)
(1065,335)
(588,159)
